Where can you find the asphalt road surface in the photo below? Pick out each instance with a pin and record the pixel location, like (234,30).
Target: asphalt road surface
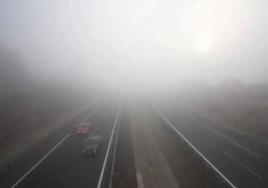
(241,159)
(63,165)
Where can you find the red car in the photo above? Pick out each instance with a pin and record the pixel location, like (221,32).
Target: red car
(83,128)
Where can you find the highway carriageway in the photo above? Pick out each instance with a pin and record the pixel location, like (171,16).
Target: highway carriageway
(240,160)
(58,160)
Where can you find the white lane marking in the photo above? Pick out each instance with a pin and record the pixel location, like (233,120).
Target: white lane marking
(108,150)
(223,136)
(229,139)
(244,134)
(244,166)
(226,138)
(220,123)
(257,138)
(40,161)
(139,180)
(196,150)
(232,129)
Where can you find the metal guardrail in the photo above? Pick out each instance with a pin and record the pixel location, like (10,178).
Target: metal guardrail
(107,171)
(112,172)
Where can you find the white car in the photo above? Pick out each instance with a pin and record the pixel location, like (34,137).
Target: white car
(92,144)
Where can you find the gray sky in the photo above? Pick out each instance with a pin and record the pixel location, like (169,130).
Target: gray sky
(143,43)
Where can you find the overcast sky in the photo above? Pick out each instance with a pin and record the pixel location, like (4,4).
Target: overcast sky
(121,43)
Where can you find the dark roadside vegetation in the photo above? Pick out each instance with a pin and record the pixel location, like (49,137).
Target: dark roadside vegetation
(30,109)
(24,160)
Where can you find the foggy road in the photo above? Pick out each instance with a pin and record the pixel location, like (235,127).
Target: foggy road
(190,76)
(242,160)
(64,165)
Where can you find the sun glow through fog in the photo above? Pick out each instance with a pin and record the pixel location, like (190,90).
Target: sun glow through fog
(204,44)
(209,24)
(148,42)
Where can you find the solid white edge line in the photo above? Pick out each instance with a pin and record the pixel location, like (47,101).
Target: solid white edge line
(196,150)
(42,159)
(242,165)
(108,150)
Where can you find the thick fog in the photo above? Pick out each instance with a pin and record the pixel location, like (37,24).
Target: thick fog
(130,46)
